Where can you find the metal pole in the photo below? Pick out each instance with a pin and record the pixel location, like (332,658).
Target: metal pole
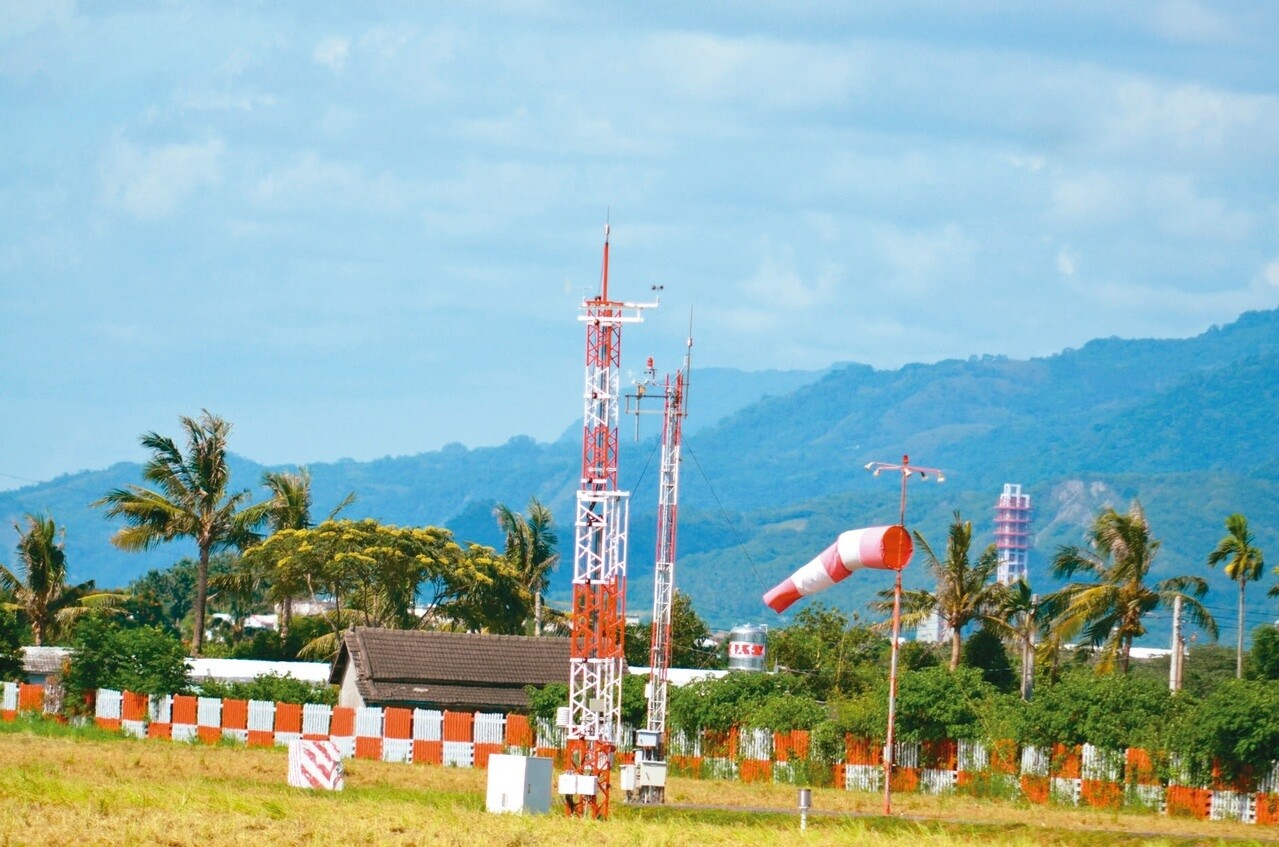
(906,470)
(1174,665)
(892,697)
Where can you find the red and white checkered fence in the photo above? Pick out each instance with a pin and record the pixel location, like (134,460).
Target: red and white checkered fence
(9,701)
(108,708)
(1085,775)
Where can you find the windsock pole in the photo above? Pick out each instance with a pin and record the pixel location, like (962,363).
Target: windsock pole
(906,469)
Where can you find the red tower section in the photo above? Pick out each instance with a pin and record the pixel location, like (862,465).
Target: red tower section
(597,661)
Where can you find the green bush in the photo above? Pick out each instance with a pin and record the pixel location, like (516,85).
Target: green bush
(1237,726)
(1263,659)
(542,702)
(146,660)
(734,700)
(1108,710)
(273,687)
(10,647)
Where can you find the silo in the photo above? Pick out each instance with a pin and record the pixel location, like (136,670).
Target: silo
(748,648)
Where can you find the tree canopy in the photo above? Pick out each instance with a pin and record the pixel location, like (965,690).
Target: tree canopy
(192,499)
(398,577)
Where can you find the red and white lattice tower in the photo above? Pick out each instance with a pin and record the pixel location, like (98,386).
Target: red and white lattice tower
(674,411)
(597,661)
(1012,534)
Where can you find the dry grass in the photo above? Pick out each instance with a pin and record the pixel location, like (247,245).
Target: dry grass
(65,790)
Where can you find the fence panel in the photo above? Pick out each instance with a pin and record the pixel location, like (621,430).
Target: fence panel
(315,721)
(428,725)
(489,728)
(108,708)
(9,700)
(368,722)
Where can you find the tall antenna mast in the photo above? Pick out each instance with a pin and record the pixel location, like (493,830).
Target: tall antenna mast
(650,776)
(596,658)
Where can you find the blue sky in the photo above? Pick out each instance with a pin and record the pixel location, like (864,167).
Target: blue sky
(366,232)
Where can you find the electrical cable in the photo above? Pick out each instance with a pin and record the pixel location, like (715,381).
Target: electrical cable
(724,514)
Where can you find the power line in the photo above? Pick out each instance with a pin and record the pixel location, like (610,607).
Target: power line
(724,514)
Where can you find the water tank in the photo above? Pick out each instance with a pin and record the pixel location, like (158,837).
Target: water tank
(747,648)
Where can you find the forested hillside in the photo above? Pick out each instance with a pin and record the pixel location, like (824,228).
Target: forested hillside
(773,466)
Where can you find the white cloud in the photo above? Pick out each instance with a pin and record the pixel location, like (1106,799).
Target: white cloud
(1191,22)
(1149,117)
(1271,273)
(223,101)
(21,17)
(150,182)
(916,261)
(778,284)
(332,52)
(758,71)
(313,181)
(1066,263)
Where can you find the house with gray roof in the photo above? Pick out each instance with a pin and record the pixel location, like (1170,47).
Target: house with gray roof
(458,671)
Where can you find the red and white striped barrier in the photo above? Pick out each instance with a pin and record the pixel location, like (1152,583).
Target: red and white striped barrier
(880,547)
(315,764)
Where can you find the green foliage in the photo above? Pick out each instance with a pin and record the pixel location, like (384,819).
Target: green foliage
(1263,660)
(984,650)
(634,701)
(1109,710)
(146,660)
(787,710)
(1237,726)
(935,703)
(833,654)
(273,687)
(530,551)
(11,632)
(1109,611)
(39,592)
(191,500)
(740,699)
(689,638)
(542,702)
(378,574)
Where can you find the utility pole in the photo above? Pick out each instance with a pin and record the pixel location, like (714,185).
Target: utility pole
(907,470)
(1178,648)
(1028,652)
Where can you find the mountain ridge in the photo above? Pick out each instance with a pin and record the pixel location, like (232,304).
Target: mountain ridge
(774,466)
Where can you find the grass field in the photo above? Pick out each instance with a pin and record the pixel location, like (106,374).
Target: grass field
(85,787)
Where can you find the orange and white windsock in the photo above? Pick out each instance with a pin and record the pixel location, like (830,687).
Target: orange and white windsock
(880,547)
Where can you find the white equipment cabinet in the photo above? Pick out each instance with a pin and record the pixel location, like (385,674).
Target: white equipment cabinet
(520,784)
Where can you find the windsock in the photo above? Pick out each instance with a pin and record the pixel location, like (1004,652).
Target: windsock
(882,547)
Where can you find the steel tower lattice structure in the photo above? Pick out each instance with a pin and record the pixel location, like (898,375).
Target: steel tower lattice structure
(651,757)
(1012,534)
(596,658)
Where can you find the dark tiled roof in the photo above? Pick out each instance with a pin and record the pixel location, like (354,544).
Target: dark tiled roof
(455,669)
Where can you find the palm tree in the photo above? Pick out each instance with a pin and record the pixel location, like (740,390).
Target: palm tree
(1244,564)
(530,546)
(42,595)
(1017,617)
(289,507)
(1109,610)
(964,591)
(192,501)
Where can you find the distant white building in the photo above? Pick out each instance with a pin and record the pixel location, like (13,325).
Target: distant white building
(932,630)
(246,670)
(1012,534)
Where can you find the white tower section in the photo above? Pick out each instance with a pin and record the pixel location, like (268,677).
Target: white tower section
(1012,534)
